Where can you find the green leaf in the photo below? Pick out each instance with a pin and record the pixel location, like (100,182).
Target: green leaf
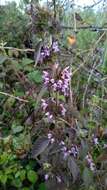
(3,178)
(35,76)
(42,186)
(17,129)
(17,174)
(17,65)
(22,175)
(9,103)
(25,188)
(32,176)
(28,68)
(8,170)
(26,61)
(4,158)
(17,182)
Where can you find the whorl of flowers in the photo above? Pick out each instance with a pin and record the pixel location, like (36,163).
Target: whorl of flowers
(59,82)
(46,51)
(49,108)
(90,162)
(73,151)
(56,80)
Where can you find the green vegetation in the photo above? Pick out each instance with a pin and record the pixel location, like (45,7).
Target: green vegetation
(53,97)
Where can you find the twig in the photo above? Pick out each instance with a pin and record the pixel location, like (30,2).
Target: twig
(89,78)
(15,97)
(93,5)
(75,24)
(92,71)
(54,4)
(92,28)
(66,122)
(17,49)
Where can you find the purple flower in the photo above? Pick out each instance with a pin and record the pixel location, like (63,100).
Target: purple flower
(95,140)
(66,74)
(45,74)
(90,162)
(52,80)
(54,86)
(65,155)
(92,166)
(64,149)
(44,105)
(45,52)
(46,78)
(58,179)
(61,84)
(49,116)
(62,143)
(105,146)
(63,110)
(52,140)
(46,177)
(74,152)
(55,47)
(49,135)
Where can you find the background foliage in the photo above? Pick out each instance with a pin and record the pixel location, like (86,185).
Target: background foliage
(28,158)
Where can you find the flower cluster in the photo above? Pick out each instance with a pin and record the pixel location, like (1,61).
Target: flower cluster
(58,178)
(55,47)
(72,151)
(59,82)
(47,51)
(46,177)
(50,137)
(50,108)
(95,140)
(90,162)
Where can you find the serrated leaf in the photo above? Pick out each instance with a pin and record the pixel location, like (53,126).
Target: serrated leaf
(87,177)
(26,61)
(35,76)
(32,176)
(39,146)
(74,170)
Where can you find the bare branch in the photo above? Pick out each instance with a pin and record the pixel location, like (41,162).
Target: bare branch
(15,97)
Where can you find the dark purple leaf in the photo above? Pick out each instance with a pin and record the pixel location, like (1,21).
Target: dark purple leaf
(87,177)
(74,170)
(39,146)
